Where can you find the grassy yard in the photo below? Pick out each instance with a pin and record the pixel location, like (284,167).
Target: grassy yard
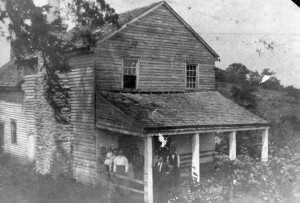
(22,184)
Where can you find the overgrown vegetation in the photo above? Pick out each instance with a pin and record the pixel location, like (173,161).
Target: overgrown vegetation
(247,179)
(33,35)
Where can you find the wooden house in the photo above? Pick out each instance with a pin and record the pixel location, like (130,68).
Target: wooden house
(154,75)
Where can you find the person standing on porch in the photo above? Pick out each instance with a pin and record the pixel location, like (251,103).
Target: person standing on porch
(108,160)
(160,178)
(160,172)
(121,164)
(138,164)
(173,161)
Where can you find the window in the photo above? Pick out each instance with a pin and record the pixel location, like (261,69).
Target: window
(130,72)
(191,76)
(13,126)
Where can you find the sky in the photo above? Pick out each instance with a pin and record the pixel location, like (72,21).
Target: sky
(259,34)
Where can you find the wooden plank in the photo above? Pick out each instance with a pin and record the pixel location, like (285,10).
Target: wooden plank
(195,157)
(264,151)
(232,145)
(148,173)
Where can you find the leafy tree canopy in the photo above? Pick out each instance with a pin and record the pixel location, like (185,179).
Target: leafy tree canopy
(31,33)
(236,73)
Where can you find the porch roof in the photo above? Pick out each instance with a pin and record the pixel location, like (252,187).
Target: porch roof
(146,112)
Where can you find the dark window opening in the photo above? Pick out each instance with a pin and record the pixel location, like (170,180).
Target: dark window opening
(129,81)
(130,73)
(13,125)
(191,76)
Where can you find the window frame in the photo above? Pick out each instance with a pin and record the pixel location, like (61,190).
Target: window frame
(14,137)
(197,76)
(137,74)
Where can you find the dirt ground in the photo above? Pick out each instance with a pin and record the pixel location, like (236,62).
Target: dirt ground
(22,184)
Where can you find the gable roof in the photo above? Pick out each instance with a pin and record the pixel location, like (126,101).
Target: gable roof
(129,17)
(10,75)
(178,110)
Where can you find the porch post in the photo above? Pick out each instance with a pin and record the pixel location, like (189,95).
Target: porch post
(148,177)
(264,150)
(232,145)
(196,157)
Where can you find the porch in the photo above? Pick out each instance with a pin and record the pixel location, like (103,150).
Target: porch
(195,149)
(188,120)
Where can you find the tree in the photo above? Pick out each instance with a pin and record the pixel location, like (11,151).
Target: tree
(237,73)
(273,83)
(267,71)
(220,75)
(244,96)
(292,92)
(31,33)
(254,78)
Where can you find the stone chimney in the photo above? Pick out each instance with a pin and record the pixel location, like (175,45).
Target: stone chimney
(54,11)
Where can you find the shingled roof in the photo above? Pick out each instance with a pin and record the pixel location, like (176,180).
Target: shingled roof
(178,110)
(10,75)
(125,18)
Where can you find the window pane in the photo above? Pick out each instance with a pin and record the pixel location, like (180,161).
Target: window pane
(129,73)
(191,76)
(132,63)
(133,71)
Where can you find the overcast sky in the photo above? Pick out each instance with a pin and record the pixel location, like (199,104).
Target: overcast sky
(259,34)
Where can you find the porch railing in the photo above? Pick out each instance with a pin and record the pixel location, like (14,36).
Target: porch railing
(123,182)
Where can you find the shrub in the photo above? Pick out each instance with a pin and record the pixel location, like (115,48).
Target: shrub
(244,96)
(273,181)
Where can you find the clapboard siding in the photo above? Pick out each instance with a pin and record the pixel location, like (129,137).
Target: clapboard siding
(14,110)
(163,45)
(81,82)
(29,88)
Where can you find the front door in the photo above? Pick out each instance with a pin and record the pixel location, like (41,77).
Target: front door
(1,138)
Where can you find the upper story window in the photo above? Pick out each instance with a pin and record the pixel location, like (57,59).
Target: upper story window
(13,129)
(130,73)
(191,76)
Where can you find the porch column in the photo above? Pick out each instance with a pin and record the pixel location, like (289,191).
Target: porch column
(264,150)
(148,175)
(232,145)
(196,157)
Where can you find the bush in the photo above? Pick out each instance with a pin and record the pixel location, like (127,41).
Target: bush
(292,92)
(244,96)
(273,181)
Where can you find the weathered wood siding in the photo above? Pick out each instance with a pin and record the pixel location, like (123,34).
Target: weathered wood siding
(163,45)
(11,107)
(82,97)
(29,88)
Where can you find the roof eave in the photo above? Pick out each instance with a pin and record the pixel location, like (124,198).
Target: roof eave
(157,129)
(130,22)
